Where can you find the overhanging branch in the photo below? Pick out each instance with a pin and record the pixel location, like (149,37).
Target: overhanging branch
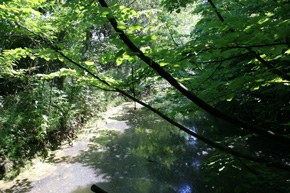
(208,141)
(196,100)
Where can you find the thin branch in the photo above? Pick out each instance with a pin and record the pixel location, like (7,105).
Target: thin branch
(256,45)
(237,47)
(213,72)
(272,68)
(171,36)
(222,60)
(216,11)
(132,2)
(104,89)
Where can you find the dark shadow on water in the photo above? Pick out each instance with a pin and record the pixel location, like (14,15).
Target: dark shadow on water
(21,186)
(149,157)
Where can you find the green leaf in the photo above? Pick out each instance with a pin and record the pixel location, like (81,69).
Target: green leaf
(163,64)
(222,168)
(121,26)
(133,28)
(104,11)
(89,63)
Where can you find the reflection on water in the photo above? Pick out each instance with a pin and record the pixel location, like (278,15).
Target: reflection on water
(151,156)
(195,163)
(137,152)
(192,140)
(185,189)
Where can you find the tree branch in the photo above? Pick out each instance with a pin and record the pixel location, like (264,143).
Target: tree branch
(171,36)
(199,102)
(235,153)
(216,11)
(256,45)
(272,68)
(218,61)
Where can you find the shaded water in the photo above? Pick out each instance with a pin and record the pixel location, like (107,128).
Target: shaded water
(149,156)
(134,151)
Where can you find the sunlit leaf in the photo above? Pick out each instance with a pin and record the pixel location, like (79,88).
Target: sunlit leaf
(89,63)
(222,168)
(121,26)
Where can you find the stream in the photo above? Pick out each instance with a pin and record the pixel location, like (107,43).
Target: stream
(130,151)
(124,151)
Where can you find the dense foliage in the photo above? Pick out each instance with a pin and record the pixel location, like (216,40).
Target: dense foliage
(232,57)
(42,103)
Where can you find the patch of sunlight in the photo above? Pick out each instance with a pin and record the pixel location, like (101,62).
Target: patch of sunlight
(278,80)
(185,189)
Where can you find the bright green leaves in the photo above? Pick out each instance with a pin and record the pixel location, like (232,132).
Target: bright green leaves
(89,63)
(124,13)
(63,72)
(30,3)
(104,12)
(127,11)
(287,52)
(27,15)
(220,48)
(46,54)
(9,60)
(125,58)
(15,54)
(121,26)
(134,28)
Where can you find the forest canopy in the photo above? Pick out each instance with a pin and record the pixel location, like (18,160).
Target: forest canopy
(229,60)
